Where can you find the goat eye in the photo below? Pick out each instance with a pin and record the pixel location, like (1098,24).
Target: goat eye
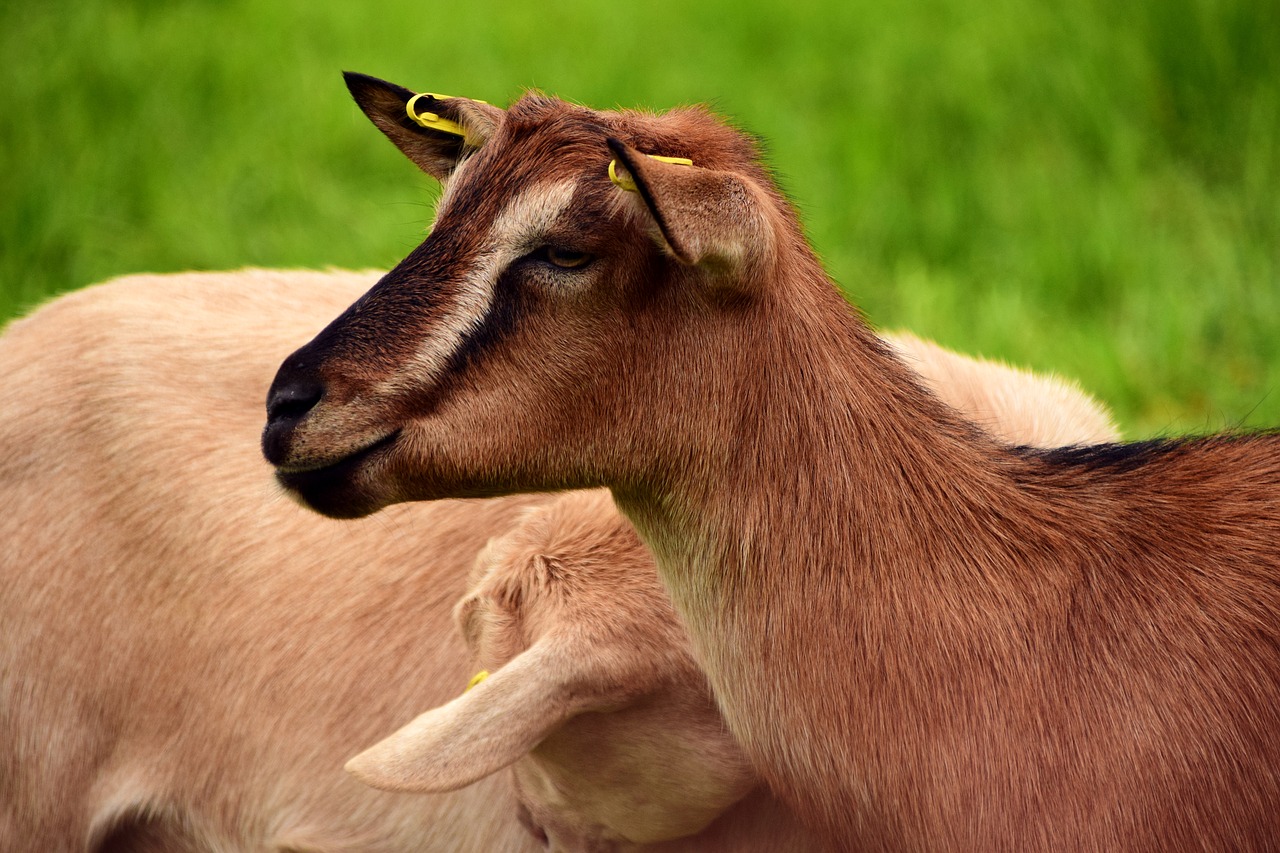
(565,259)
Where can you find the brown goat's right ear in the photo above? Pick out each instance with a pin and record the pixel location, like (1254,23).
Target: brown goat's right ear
(435,151)
(487,728)
(707,217)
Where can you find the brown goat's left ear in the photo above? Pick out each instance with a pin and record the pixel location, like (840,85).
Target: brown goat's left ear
(706,217)
(436,147)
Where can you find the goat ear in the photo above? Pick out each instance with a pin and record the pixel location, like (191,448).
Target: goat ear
(434,151)
(707,217)
(487,728)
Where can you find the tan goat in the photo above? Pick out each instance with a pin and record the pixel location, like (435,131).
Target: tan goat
(571,597)
(187,658)
(922,638)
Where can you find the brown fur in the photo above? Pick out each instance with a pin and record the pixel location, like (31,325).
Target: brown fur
(922,638)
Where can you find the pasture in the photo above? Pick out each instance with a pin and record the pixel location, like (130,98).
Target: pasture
(1083,187)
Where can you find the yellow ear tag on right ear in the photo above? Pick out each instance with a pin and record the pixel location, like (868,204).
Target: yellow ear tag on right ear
(477,678)
(628,184)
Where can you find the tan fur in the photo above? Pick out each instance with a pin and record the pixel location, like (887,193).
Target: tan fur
(1015,405)
(186,656)
(921,637)
(658,765)
(653,762)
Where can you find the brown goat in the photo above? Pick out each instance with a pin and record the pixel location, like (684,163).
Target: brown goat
(922,638)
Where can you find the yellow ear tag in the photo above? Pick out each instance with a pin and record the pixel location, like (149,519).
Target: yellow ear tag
(477,678)
(431,121)
(628,184)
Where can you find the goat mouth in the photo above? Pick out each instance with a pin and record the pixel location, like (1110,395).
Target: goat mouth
(332,488)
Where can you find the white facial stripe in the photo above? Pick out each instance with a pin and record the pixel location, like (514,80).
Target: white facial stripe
(517,230)
(528,218)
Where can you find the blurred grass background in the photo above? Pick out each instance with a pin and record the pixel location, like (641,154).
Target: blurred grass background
(1084,186)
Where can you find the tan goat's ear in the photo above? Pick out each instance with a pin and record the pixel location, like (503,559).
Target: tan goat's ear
(487,728)
(443,130)
(707,217)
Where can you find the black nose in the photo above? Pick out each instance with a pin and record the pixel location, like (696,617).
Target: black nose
(292,395)
(291,400)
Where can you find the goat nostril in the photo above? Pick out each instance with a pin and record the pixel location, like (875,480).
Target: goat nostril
(290,398)
(292,401)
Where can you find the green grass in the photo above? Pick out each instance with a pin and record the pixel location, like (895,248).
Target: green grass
(1085,186)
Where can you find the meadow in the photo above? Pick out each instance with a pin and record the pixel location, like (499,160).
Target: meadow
(1087,187)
